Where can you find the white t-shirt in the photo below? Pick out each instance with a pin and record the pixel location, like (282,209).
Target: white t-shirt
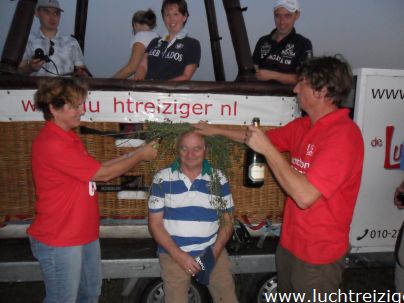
(144,37)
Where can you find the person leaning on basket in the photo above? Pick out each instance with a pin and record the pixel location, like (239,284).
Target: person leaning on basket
(176,56)
(48,52)
(322,179)
(64,234)
(277,55)
(184,222)
(143,24)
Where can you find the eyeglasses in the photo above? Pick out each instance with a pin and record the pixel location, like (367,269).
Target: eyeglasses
(51,49)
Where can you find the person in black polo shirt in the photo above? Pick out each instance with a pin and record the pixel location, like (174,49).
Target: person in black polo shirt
(277,55)
(176,56)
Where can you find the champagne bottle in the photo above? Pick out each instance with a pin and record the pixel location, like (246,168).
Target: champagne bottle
(254,165)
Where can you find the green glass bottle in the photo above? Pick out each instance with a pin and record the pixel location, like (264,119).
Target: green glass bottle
(254,165)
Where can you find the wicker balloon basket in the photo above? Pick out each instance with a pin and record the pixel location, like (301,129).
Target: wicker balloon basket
(18,194)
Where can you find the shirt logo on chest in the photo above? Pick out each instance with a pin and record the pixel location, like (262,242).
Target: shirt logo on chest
(179,46)
(310,150)
(265,49)
(289,51)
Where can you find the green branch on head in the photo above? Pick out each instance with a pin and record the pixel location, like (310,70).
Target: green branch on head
(219,151)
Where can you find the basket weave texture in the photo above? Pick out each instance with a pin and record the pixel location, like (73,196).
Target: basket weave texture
(18,193)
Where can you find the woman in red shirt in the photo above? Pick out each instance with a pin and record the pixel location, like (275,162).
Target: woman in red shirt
(64,235)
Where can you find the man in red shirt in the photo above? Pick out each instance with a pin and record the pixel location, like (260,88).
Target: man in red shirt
(322,180)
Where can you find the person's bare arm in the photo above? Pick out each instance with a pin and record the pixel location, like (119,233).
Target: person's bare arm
(284,78)
(142,69)
(207,129)
(163,238)
(224,234)
(130,68)
(188,73)
(27,67)
(81,71)
(118,166)
(294,183)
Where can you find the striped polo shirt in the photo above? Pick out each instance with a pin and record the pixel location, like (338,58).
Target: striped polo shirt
(190,216)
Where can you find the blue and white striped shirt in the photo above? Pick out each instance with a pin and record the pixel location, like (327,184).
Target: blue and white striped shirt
(190,216)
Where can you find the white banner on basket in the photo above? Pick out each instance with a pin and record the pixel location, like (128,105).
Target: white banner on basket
(132,107)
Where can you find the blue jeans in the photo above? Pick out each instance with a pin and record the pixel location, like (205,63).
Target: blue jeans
(72,273)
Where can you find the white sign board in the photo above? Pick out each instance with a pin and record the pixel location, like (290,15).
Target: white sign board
(127,107)
(379,112)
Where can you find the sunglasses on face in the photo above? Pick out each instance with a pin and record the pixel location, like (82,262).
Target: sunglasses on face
(51,49)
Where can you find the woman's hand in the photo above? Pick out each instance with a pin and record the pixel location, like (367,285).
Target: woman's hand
(149,151)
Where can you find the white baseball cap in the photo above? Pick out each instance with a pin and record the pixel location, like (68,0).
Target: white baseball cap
(49,3)
(290,5)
